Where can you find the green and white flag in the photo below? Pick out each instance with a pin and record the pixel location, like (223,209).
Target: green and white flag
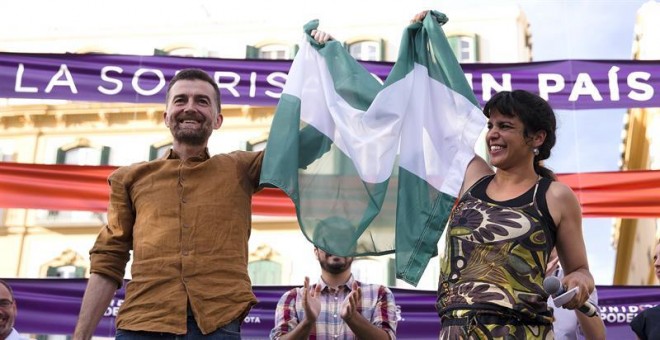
(375,168)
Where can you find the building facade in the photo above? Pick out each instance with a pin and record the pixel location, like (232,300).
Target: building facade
(635,239)
(42,243)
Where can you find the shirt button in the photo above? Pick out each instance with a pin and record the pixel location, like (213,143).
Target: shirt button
(183,200)
(336,298)
(186,225)
(185,253)
(335,315)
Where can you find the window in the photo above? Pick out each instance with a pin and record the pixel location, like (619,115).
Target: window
(264,266)
(82,156)
(256,144)
(66,272)
(372,270)
(367,50)
(465,47)
(274,52)
(181,52)
(265,272)
(81,152)
(69,264)
(271,51)
(7,155)
(158,150)
(91,50)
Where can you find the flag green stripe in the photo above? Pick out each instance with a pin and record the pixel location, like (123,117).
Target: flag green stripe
(350,79)
(304,147)
(429,47)
(421,217)
(426,101)
(445,68)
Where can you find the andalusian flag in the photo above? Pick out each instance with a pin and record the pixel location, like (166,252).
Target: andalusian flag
(375,168)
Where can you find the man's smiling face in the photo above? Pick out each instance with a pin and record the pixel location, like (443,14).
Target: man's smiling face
(7,311)
(191,112)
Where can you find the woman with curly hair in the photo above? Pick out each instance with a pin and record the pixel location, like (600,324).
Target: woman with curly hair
(503,228)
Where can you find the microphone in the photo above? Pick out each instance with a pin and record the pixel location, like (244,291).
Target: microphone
(553,286)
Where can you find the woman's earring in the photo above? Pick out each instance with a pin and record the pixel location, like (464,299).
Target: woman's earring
(536,151)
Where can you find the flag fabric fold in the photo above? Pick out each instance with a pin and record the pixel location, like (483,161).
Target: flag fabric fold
(374,168)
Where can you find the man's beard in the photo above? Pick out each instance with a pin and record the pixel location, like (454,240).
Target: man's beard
(336,267)
(195,137)
(7,327)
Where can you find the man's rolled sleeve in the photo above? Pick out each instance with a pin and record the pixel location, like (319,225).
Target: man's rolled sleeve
(110,252)
(286,316)
(385,313)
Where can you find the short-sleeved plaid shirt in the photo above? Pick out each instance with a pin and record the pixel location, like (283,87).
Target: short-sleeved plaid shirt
(377,307)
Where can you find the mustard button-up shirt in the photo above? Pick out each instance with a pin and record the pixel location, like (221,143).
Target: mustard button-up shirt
(188,224)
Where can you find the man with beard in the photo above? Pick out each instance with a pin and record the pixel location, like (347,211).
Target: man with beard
(8,313)
(186,218)
(337,306)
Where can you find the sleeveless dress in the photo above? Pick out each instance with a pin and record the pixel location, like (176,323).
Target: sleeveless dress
(491,280)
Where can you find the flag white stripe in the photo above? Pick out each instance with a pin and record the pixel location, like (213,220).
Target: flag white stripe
(416,109)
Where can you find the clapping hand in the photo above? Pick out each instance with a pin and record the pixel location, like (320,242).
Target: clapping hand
(352,304)
(311,301)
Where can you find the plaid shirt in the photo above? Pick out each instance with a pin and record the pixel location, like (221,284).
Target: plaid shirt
(377,306)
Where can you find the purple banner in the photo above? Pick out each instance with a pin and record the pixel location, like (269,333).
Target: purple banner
(51,306)
(620,304)
(568,84)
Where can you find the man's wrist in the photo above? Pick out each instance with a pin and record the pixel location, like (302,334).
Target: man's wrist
(307,323)
(351,319)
